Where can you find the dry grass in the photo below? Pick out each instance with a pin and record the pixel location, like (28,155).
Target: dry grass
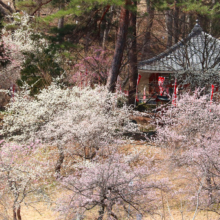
(171,210)
(45,213)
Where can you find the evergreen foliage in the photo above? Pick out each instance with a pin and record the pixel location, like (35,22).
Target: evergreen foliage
(38,68)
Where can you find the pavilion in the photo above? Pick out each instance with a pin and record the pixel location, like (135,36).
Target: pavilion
(198,51)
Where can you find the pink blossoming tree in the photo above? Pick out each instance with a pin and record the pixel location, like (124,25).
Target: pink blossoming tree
(116,185)
(190,133)
(24,175)
(92,69)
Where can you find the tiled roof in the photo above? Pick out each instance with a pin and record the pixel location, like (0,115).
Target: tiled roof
(198,51)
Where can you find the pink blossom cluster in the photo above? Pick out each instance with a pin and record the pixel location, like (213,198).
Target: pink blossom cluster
(190,133)
(24,175)
(92,69)
(111,184)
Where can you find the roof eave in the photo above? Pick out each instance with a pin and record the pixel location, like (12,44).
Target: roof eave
(154,71)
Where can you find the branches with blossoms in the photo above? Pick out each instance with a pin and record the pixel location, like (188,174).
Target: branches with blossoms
(17,39)
(194,79)
(78,121)
(190,133)
(92,69)
(115,185)
(24,175)
(18,33)
(27,116)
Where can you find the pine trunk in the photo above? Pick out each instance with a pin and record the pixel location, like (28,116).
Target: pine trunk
(119,48)
(169,23)
(108,27)
(176,23)
(133,75)
(145,53)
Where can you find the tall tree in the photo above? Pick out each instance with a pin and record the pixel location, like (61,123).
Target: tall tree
(105,24)
(169,24)
(145,53)
(120,45)
(176,21)
(133,74)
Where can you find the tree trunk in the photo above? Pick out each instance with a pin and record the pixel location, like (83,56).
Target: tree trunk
(111,214)
(183,26)
(39,3)
(145,53)
(86,43)
(108,26)
(3,11)
(169,23)
(102,29)
(190,22)
(60,23)
(14,5)
(176,22)
(16,213)
(119,48)
(61,20)
(101,212)
(209,186)
(211,20)
(59,161)
(133,75)
(19,213)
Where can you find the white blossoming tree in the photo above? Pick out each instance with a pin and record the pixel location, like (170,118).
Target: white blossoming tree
(17,38)
(78,121)
(32,58)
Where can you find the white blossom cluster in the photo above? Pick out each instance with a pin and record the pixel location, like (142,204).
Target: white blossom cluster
(17,38)
(21,36)
(87,117)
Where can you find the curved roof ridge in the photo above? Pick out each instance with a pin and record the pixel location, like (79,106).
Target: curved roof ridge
(197,30)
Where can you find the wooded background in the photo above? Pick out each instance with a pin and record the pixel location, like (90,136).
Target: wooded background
(106,38)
